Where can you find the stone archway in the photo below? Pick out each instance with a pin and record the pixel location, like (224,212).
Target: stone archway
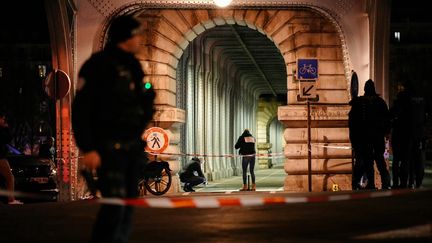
(170,31)
(297,33)
(364,42)
(219,87)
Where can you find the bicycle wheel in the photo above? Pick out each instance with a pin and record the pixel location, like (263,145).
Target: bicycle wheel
(302,70)
(159,184)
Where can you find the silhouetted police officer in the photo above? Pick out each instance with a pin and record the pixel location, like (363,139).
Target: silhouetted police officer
(408,121)
(192,175)
(369,124)
(109,114)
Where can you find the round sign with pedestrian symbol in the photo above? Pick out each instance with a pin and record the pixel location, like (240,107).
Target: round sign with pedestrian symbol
(157,140)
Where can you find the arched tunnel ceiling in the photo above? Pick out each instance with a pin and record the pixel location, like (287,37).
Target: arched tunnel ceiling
(255,57)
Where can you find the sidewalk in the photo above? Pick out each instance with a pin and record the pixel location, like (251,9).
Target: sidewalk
(266,180)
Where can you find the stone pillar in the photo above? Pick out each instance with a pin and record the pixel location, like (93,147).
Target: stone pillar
(331,153)
(264,148)
(170,118)
(266,112)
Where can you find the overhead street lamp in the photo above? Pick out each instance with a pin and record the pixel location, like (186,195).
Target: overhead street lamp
(222,3)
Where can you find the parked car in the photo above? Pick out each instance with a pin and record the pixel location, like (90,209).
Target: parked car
(35,178)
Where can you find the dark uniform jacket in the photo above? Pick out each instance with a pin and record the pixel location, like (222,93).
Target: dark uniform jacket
(368,118)
(112,105)
(402,122)
(408,118)
(192,167)
(246,144)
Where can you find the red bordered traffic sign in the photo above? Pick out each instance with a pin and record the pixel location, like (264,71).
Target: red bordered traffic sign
(157,140)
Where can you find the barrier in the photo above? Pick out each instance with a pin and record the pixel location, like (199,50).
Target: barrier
(216,201)
(273,155)
(269,155)
(245,201)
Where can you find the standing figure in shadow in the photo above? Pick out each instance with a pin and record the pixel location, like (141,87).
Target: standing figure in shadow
(369,125)
(246,145)
(407,138)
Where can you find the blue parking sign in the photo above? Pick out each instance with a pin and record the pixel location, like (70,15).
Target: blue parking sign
(307,68)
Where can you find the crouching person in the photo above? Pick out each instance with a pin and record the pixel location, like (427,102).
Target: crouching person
(192,175)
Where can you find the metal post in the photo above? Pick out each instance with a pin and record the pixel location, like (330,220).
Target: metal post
(309,147)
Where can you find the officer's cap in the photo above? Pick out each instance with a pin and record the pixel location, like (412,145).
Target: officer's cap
(369,87)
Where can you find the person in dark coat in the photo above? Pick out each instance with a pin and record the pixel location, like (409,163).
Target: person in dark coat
(110,112)
(192,175)
(401,138)
(369,124)
(408,119)
(246,145)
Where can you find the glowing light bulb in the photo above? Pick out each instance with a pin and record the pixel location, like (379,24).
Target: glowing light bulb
(222,3)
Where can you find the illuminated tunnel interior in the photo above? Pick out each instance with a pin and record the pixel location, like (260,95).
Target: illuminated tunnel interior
(230,77)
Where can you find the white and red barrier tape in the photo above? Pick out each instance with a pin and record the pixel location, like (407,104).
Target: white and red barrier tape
(268,155)
(330,146)
(242,201)
(271,155)
(232,201)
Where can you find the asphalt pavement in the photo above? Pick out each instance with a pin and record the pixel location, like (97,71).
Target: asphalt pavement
(351,216)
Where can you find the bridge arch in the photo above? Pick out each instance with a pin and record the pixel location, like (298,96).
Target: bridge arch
(296,32)
(78,29)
